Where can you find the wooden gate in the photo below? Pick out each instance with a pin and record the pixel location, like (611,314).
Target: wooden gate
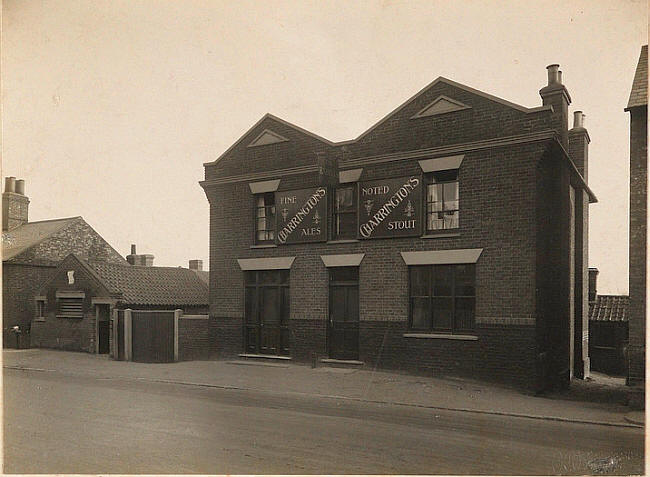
(120,335)
(152,336)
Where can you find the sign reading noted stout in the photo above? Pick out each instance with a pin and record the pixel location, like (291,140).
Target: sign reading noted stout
(390,207)
(301,215)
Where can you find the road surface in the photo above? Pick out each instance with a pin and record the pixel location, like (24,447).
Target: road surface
(62,423)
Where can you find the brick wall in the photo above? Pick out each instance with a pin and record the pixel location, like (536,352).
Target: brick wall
(638,237)
(20,284)
(193,337)
(72,334)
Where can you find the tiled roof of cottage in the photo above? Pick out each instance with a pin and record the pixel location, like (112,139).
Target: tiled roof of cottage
(204,275)
(639,93)
(166,286)
(609,308)
(16,241)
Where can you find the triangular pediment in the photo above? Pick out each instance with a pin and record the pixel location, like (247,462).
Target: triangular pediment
(441,105)
(267,137)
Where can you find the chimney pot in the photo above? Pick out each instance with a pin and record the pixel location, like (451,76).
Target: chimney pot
(578,119)
(132,249)
(196,265)
(20,187)
(10,184)
(559,77)
(553,74)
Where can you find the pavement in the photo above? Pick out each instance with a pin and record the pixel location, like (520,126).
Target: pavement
(592,402)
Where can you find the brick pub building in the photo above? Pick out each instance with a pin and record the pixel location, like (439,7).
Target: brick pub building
(449,239)
(638,108)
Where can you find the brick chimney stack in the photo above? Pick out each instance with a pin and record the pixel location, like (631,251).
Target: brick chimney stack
(555,94)
(15,205)
(196,265)
(593,289)
(579,144)
(144,260)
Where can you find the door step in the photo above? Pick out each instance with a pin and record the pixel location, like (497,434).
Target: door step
(342,363)
(263,357)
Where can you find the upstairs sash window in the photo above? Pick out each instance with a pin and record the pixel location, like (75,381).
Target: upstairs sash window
(265,218)
(442,200)
(345,213)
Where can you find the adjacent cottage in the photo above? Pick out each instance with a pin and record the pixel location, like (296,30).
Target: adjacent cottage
(449,238)
(32,250)
(76,307)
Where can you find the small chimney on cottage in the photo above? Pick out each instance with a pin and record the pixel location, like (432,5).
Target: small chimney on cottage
(556,95)
(593,290)
(15,205)
(196,265)
(142,260)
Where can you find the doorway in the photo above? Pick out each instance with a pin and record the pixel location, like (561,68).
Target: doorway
(343,324)
(266,326)
(103,328)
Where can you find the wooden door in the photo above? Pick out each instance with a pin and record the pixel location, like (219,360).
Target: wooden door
(266,327)
(343,329)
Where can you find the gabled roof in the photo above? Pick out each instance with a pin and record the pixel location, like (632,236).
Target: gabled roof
(639,93)
(167,286)
(274,118)
(609,308)
(20,239)
(440,79)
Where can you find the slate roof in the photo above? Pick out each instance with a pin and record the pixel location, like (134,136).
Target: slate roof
(16,241)
(639,93)
(166,286)
(609,308)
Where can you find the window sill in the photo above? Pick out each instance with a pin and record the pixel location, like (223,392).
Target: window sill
(266,245)
(443,336)
(77,317)
(39,319)
(440,235)
(343,241)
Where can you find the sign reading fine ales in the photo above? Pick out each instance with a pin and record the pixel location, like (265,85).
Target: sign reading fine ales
(390,208)
(301,215)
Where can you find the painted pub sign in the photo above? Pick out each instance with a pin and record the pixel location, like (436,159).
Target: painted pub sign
(301,215)
(390,208)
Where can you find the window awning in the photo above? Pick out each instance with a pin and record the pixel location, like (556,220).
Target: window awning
(264,186)
(442,257)
(441,163)
(343,260)
(267,263)
(351,175)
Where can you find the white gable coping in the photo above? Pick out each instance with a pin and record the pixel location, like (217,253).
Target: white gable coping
(267,263)
(441,105)
(351,175)
(267,137)
(264,186)
(343,260)
(441,163)
(442,257)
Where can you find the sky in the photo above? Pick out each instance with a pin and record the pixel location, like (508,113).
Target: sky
(111,107)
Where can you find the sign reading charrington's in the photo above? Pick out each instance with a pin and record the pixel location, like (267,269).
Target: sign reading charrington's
(301,215)
(390,207)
